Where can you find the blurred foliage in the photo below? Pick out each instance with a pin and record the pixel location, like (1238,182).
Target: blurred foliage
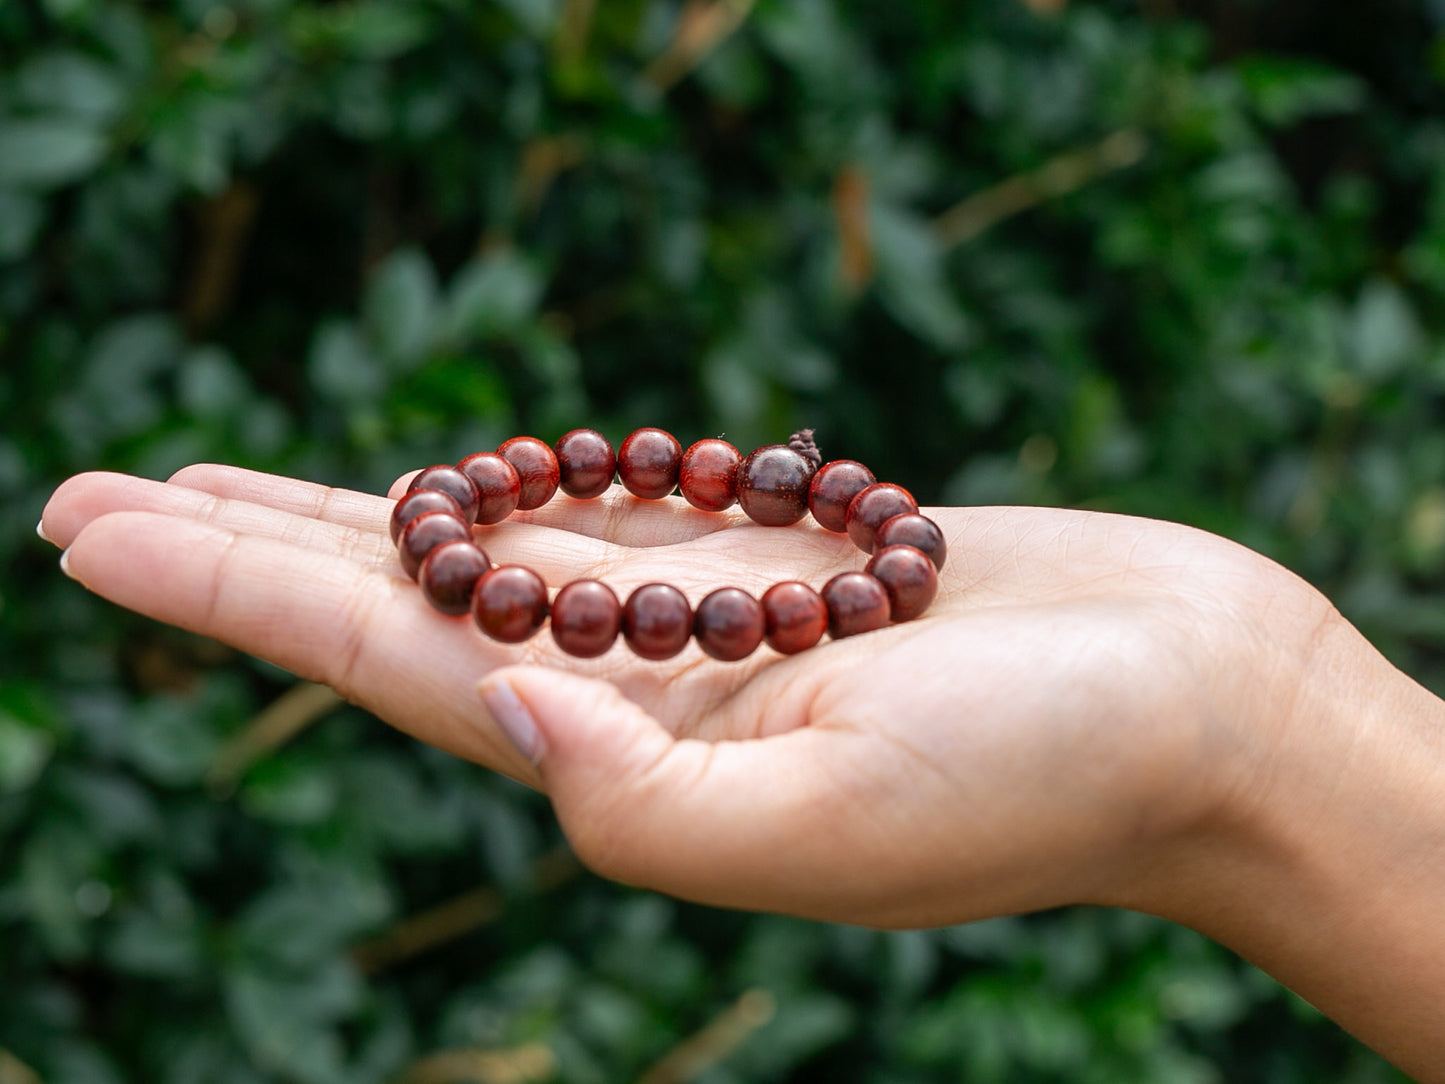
(1181,259)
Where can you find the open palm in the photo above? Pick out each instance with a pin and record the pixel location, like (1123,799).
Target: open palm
(1039,737)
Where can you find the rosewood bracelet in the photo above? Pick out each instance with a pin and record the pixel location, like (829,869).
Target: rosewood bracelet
(776,486)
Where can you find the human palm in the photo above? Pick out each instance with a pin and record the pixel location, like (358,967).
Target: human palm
(1043,735)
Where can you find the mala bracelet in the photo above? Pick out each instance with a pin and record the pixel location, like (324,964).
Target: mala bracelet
(776,486)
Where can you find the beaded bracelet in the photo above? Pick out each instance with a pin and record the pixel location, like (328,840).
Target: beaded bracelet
(776,486)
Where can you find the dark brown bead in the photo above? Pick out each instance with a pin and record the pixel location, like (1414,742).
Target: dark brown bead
(452,481)
(499,486)
(794,617)
(708,474)
(728,624)
(872,508)
(911,529)
(536,465)
(425,533)
(509,603)
(908,575)
(856,603)
(657,621)
(586,618)
(587,463)
(648,463)
(417,501)
(773,486)
(449,573)
(834,485)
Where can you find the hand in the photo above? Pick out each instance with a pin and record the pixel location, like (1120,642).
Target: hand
(1096,708)
(1051,722)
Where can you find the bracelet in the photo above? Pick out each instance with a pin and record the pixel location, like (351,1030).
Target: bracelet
(775,486)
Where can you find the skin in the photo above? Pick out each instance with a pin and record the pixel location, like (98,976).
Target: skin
(1096,709)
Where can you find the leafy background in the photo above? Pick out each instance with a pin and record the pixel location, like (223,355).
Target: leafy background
(1182,258)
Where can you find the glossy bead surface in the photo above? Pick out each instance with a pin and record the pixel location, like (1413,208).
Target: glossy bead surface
(728,624)
(587,463)
(773,486)
(648,463)
(794,617)
(908,575)
(856,603)
(499,486)
(425,533)
(708,474)
(911,529)
(449,573)
(509,603)
(450,481)
(536,465)
(657,621)
(586,618)
(418,501)
(833,487)
(873,507)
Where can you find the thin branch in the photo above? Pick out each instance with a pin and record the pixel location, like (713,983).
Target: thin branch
(855,240)
(1059,176)
(702,1050)
(518,1065)
(224,225)
(572,30)
(456,917)
(702,26)
(289,714)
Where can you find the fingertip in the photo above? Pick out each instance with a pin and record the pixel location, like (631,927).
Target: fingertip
(399,487)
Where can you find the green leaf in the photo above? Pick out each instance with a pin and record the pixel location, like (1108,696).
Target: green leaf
(64,81)
(21,217)
(401,307)
(342,367)
(1286,90)
(47,153)
(492,294)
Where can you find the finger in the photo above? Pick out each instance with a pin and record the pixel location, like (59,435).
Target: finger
(557,556)
(346,507)
(764,824)
(365,632)
(86,497)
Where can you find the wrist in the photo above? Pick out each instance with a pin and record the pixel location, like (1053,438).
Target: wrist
(1323,861)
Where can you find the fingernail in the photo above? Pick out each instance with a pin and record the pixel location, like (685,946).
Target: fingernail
(40,530)
(65,565)
(514,719)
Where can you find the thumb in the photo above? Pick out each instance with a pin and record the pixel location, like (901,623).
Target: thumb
(758,822)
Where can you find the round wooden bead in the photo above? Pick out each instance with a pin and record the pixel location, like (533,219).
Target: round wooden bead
(587,463)
(911,529)
(856,603)
(425,533)
(794,617)
(586,618)
(873,507)
(536,465)
(657,621)
(509,603)
(773,486)
(499,486)
(908,575)
(834,485)
(708,474)
(418,501)
(648,463)
(451,481)
(449,573)
(728,624)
